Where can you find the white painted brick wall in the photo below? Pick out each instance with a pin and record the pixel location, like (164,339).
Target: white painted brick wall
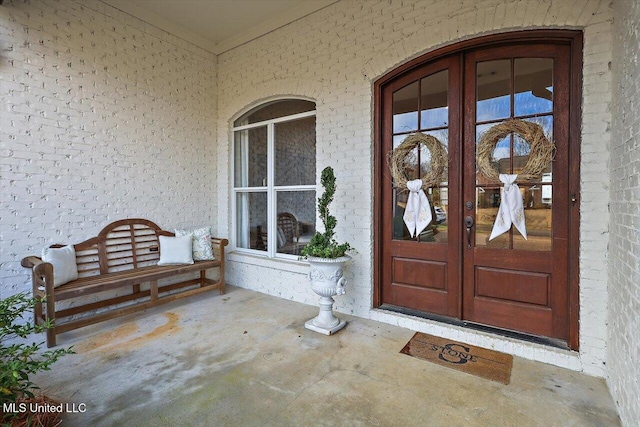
(102,117)
(623,358)
(334,56)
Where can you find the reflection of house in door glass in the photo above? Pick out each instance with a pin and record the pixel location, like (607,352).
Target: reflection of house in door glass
(546,189)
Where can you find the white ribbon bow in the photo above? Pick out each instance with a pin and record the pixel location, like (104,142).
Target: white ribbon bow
(511,210)
(417,214)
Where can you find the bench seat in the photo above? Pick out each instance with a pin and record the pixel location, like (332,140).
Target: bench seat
(109,281)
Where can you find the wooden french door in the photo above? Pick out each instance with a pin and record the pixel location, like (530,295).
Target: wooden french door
(452,268)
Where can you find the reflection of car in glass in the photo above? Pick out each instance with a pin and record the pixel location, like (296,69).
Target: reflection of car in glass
(441,215)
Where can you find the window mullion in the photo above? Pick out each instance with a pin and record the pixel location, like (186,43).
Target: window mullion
(271,194)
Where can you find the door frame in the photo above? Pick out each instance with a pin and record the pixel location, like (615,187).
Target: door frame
(574,39)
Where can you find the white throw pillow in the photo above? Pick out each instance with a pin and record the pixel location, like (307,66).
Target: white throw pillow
(201,242)
(64,264)
(282,238)
(175,250)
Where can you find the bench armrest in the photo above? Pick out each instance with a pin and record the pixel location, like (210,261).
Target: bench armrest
(218,244)
(219,241)
(30,261)
(41,274)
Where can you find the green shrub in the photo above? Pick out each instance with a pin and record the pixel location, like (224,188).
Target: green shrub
(324,245)
(19,359)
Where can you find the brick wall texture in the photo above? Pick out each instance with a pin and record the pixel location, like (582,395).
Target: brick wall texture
(104,116)
(623,323)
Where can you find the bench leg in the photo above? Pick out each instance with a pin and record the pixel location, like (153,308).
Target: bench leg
(37,310)
(203,277)
(37,313)
(153,287)
(44,272)
(51,315)
(136,288)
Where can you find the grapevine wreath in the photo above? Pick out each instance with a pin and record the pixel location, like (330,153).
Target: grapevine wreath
(540,155)
(404,157)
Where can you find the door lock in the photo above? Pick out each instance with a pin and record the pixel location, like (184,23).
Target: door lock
(468,222)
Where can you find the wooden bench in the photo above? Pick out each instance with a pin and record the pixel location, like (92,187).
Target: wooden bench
(123,255)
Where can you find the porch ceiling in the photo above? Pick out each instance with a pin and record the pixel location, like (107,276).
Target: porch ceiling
(219,25)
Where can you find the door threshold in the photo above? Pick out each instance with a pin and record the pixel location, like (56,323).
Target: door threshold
(551,342)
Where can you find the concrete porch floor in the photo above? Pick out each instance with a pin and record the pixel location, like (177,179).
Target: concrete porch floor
(245,359)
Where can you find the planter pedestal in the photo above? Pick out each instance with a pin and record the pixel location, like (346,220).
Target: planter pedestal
(327,281)
(325,322)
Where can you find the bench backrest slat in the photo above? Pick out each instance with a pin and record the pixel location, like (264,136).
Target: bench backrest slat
(120,246)
(88,261)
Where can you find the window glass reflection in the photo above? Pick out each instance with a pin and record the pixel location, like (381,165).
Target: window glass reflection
(487,204)
(295,152)
(538,217)
(493,90)
(250,158)
(251,220)
(533,84)
(296,220)
(405,109)
(434,100)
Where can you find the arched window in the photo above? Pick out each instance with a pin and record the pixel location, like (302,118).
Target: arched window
(274,183)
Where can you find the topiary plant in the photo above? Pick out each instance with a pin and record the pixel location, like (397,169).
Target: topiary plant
(18,359)
(324,245)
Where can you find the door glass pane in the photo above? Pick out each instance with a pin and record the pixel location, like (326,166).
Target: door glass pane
(547,124)
(533,82)
(439,199)
(405,109)
(400,231)
(501,158)
(502,155)
(250,157)
(251,220)
(487,203)
(493,90)
(537,213)
(521,151)
(434,91)
(295,152)
(522,148)
(480,129)
(442,135)
(397,140)
(296,220)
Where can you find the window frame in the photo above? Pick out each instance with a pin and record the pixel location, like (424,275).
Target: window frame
(270,189)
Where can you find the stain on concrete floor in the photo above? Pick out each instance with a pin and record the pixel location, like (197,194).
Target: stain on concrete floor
(245,359)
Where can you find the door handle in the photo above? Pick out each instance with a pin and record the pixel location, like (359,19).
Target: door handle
(468,222)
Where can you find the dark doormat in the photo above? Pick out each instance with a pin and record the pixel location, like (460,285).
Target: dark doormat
(481,362)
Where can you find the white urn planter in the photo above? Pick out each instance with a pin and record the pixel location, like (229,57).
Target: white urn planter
(327,280)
